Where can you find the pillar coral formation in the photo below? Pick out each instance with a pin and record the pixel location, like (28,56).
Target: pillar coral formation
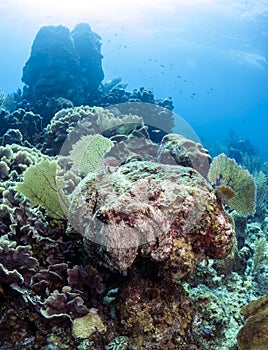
(64,64)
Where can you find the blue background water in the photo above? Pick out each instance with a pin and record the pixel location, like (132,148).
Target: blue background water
(210,56)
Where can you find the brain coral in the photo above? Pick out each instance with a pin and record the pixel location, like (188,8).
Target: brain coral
(167,213)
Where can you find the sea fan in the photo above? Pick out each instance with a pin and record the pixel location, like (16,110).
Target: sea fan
(88,153)
(225,172)
(40,188)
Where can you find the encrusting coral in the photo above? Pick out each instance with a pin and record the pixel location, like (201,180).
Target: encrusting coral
(84,326)
(254,334)
(142,211)
(168,213)
(183,151)
(154,312)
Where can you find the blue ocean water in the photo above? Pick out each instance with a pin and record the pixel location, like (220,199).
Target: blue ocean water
(210,57)
(96,224)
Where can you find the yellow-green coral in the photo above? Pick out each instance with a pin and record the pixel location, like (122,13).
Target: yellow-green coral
(87,153)
(39,187)
(224,172)
(84,327)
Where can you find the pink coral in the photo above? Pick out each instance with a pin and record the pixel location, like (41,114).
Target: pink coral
(177,149)
(167,213)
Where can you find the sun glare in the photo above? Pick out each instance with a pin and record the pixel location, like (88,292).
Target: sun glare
(131,13)
(137,16)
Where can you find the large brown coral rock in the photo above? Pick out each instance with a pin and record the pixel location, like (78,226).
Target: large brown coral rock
(166,213)
(254,334)
(184,151)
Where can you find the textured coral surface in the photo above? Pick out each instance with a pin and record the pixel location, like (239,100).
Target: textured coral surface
(167,213)
(147,259)
(254,334)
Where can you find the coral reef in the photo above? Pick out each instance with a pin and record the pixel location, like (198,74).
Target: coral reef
(63,284)
(148,256)
(27,123)
(83,121)
(61,278)
(218,298)
(39,264)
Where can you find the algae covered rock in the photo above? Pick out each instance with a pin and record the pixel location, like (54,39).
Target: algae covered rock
(254,334)
(84,327)
(155,314)
(166,213)
(185,152)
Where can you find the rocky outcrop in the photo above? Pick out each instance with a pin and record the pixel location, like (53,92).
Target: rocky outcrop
(166,213)
(64,64)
